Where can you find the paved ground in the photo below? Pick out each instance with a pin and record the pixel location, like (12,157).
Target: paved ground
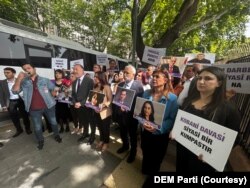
(69,164)
(73,165)
(4,116)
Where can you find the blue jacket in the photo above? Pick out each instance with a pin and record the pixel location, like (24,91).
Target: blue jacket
(44,85)
(170,111)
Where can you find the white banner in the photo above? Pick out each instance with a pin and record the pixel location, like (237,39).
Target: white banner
(74,62)
(204,137)
(153,55)
(59,63)
(102,59)
(238,76)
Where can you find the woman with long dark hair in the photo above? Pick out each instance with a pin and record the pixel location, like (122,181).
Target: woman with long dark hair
(62,109)
(207,100)
(102,118)
(147,111)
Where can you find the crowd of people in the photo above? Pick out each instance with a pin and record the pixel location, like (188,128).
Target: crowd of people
(199,91)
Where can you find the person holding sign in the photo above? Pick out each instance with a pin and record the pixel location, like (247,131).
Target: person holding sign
(128,125)
(155,141)
(62,109)
(207,100)
(101,118)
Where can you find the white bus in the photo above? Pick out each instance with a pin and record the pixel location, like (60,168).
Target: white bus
(20,44)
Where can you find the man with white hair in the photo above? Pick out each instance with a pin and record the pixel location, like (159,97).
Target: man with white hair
(80,91)
(128,125)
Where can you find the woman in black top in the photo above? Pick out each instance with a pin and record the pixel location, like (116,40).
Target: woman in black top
(62,109)
(207,100)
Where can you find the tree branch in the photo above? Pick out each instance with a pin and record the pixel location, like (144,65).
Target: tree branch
(144,11)
(186,12)
(207,20)
(204,22)
(140,17)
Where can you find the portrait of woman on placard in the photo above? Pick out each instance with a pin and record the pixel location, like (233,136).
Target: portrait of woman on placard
(147,111)
(94,100)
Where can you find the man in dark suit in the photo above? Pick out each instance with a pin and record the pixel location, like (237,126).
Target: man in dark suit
(128,125)
(80,91)
(13,102)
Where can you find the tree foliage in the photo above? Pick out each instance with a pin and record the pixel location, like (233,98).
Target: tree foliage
(191,25)
(181,26)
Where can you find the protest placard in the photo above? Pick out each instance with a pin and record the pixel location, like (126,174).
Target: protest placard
(238,76)
(153,55)
(102,59)
(95,100)
(74,62)
(150,112)
(59,63)
(204,137)
(124,98)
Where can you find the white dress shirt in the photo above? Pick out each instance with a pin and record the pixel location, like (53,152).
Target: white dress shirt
(10,85)
(81,78)
(184,92)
